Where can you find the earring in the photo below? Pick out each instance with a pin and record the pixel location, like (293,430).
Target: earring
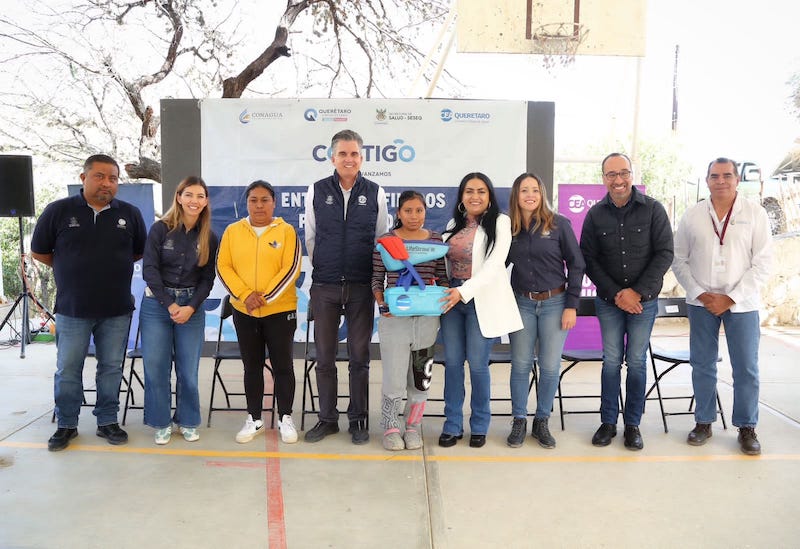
(461,208)
(489,206)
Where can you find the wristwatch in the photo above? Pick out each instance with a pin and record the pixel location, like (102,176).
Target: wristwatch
(383,308)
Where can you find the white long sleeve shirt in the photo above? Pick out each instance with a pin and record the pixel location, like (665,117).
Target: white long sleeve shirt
(738,268)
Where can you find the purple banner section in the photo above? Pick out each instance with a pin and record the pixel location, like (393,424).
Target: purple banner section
(573,203)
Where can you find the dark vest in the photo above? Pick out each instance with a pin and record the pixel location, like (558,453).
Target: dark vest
(343,248)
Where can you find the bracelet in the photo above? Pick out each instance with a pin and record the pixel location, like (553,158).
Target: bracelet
(383,308)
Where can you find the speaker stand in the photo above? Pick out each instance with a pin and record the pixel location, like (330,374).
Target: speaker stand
(22,299)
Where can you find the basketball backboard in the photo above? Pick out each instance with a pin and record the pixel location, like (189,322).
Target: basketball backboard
(588,27)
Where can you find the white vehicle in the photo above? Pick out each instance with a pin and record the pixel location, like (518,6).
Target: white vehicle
(769,193)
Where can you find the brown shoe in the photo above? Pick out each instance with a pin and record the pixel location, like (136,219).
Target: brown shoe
(699,435)
(748,441)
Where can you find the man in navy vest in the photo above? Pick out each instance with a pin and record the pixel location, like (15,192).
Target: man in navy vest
(344,214)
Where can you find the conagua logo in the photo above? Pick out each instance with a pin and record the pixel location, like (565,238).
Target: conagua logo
(247,117)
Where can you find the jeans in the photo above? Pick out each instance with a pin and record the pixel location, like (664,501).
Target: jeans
(462,339)
(542,326)
(72,343)
(625,336)
(742,332)
(163,341)
(359,306)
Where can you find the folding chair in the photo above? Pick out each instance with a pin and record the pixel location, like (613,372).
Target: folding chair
(673,307)
(310,398)
(229,350)
(133,355)
(574,357)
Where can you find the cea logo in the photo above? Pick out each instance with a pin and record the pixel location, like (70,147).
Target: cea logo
(577,203)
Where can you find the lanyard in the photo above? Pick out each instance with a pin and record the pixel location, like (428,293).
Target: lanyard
(721,236)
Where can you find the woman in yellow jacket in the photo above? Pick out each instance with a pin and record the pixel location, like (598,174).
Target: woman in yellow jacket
(259,262)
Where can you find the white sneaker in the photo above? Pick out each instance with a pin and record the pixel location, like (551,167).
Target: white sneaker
(250,430)
(190,434)
(163,435)
(287,429)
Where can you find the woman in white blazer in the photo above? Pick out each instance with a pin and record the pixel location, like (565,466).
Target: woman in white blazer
(480,305)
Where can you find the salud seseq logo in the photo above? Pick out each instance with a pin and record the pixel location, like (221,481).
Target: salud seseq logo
(384,116)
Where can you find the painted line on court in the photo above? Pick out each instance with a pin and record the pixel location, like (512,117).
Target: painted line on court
(225,455)
(276,525)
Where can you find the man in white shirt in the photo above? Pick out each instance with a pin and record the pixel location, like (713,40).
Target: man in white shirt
(723,254)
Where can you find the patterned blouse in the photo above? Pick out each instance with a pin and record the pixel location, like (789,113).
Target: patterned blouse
(460,254)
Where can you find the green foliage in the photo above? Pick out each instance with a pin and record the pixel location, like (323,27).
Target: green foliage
(9,249)
(40,277)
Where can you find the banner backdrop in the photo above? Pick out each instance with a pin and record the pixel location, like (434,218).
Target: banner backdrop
(425,145)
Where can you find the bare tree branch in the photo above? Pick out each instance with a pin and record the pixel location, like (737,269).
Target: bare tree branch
(87,93)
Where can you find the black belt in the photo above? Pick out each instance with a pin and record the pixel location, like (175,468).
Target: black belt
(547,294)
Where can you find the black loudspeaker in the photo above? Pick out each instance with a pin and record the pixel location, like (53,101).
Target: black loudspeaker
(16,186)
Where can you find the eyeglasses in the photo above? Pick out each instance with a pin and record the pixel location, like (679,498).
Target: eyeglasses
(624,174)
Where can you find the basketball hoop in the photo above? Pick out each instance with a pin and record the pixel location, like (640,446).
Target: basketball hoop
(557,43)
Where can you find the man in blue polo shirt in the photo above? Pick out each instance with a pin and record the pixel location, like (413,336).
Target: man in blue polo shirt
(91,241)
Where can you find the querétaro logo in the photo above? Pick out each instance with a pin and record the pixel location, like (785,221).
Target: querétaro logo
(334,114)
(448,115)
(397,150)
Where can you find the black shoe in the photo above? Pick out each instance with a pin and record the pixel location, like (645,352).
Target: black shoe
(748,441)
(541,432)
(604,434)
(321,430)
(633,438)
(61,438)
(699,435)
(446,441)
(476,441)
(113,434)
(519,429)
(359,432)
